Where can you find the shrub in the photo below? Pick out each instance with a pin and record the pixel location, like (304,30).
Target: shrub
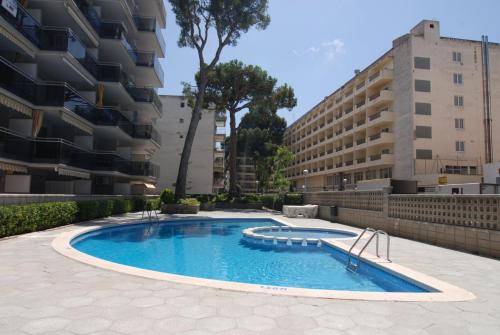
(221,197)
(293,199)
(122,206)
(21,219)
(189,202)
(167,196)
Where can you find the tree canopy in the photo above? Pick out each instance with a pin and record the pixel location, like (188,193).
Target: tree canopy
(197,18)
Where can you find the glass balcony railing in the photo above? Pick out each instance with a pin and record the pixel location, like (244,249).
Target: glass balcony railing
(59,151)
(63,95)
(145,94)
(116,30)
(145,23)
(90,13)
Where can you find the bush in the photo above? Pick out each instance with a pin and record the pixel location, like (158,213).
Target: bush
(20,219)
(167,196)
(189,202)
(293,199)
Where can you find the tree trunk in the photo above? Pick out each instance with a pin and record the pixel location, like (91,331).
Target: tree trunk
(233,145)
(180,184)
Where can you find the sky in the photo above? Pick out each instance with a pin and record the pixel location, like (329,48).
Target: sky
(315,45)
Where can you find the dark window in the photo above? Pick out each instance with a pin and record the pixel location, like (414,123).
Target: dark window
(422,63)
(422,108)
(183,104)
(423,132)
(422,85)
(181,120)
(424,154)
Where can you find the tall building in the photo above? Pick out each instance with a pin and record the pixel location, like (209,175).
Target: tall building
(77,95)
(245,175)
(426,110)
(206,163)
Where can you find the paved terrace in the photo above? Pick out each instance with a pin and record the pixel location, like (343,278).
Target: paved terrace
(43,292)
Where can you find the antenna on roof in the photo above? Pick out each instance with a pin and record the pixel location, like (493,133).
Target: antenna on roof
(357,71)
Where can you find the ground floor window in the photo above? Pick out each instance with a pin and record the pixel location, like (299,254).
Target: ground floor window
(386,173)
(358,176)
(371,174)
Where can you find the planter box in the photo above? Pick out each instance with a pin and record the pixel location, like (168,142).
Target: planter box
(207,206)
(235,205)
(179,209)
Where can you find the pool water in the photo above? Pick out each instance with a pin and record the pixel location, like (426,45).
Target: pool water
(216,249)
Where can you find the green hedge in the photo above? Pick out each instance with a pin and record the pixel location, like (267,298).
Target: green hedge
(20,219)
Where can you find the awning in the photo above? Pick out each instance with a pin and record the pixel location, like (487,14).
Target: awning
(15,105)
(72,173)
(13,168)
(150,186)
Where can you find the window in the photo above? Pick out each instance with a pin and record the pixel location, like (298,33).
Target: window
(457,56)
(422,63)
(422,108)
(457,78)
(423,132)
(371,174)
(386,173)
(423,154)
(358,176)
(460,146)
(422,85)
(458,101)
(183,104)
(181,120)
(459,123)
(181,136)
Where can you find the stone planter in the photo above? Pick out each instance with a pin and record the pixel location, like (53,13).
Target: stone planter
(179,209)
(235,205)
(207,206)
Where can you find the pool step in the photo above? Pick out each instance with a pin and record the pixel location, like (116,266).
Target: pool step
(375,234)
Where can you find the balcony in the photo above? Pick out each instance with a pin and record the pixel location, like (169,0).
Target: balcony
(381,117)
(348,145)
(338,116)
(348,163)
(146,96)
(361,141)
(337,149)
(381,77)
(61,152)
(360,160)
(116,46)
(360,104)
(348,111)
(349,127)
(62,95)
(360,123)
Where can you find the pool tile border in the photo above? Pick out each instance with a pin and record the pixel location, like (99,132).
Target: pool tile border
(443,291)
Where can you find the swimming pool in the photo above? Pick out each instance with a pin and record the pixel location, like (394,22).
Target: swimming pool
(216,249)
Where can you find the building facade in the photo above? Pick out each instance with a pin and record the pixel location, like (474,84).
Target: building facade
(424,111)
(206,163)
(77,95)
(245,175)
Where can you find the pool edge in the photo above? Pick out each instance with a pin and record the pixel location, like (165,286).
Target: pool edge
(445,291)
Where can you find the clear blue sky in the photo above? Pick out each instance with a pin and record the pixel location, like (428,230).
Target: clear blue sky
(315,45)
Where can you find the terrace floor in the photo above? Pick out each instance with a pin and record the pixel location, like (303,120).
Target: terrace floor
(43,292)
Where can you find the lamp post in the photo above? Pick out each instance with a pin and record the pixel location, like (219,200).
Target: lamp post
(306,172)
(344,182)
(257,184)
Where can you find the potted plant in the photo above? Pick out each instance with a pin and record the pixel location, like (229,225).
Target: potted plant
(183,206)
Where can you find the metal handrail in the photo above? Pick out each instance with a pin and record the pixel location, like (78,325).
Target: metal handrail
(375,234)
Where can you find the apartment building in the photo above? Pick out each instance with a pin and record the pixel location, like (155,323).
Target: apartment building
(206,163)
(425,110)
(245,175)
(77,95)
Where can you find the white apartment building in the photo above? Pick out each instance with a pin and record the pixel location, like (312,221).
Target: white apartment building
(206,165)
(426,110)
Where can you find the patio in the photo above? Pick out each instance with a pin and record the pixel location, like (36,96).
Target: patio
(42,291)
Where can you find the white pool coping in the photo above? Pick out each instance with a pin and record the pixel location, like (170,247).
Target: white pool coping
(442,291)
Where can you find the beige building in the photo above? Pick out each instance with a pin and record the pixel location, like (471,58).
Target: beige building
(206,165)
(419,112)
(245,175)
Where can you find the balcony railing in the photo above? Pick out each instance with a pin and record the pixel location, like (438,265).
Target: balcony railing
(374,116)
(348,163)
(90,14)
(375,137)
(360,160)
(58,151)
(145,94)
(349,127)
(375,157)
(116,30)
(348,145)
(348,111)
(145,23)
(360,104)
(360,123)
(63,95)
(337,149)
(361,141)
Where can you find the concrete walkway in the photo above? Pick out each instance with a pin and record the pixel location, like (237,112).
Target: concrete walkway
(43,292)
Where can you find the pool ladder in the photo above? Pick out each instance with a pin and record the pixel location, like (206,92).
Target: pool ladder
(152,217)
(351,266)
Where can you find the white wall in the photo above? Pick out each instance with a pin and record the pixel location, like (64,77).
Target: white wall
(200,170)
(491,172)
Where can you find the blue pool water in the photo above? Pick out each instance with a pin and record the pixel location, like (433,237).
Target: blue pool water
(216,249)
